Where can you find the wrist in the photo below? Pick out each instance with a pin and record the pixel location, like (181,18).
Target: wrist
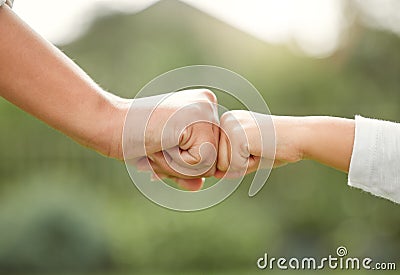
(106,136)
(291,138)
(143,126)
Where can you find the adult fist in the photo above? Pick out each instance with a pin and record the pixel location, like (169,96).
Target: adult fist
(175,135)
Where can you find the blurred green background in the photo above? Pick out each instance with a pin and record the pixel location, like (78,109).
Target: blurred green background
(66,209)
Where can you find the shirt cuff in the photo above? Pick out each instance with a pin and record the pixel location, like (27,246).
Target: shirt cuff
(375,161)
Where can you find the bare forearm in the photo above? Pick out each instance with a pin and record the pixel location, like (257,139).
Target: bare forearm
(40,79)
(328,140)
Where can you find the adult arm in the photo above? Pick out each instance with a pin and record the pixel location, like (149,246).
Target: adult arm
(40,79)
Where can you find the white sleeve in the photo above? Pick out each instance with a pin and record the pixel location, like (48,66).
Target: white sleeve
(375,162)
(2,2)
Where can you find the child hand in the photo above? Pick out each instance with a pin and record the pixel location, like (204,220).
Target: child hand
(249,141)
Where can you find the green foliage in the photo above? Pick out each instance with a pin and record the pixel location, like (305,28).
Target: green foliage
(51,225)
(65,208)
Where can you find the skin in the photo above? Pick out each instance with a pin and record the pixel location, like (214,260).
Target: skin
(40,79)
(328,140)
(54,89)
(44,82)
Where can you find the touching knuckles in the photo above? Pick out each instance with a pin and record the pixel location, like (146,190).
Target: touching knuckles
(205,142)
(190,121)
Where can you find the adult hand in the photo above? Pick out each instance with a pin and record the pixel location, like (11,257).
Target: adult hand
(54,89)
(175,135)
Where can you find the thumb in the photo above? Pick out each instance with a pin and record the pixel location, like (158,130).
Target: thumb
(199,146)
